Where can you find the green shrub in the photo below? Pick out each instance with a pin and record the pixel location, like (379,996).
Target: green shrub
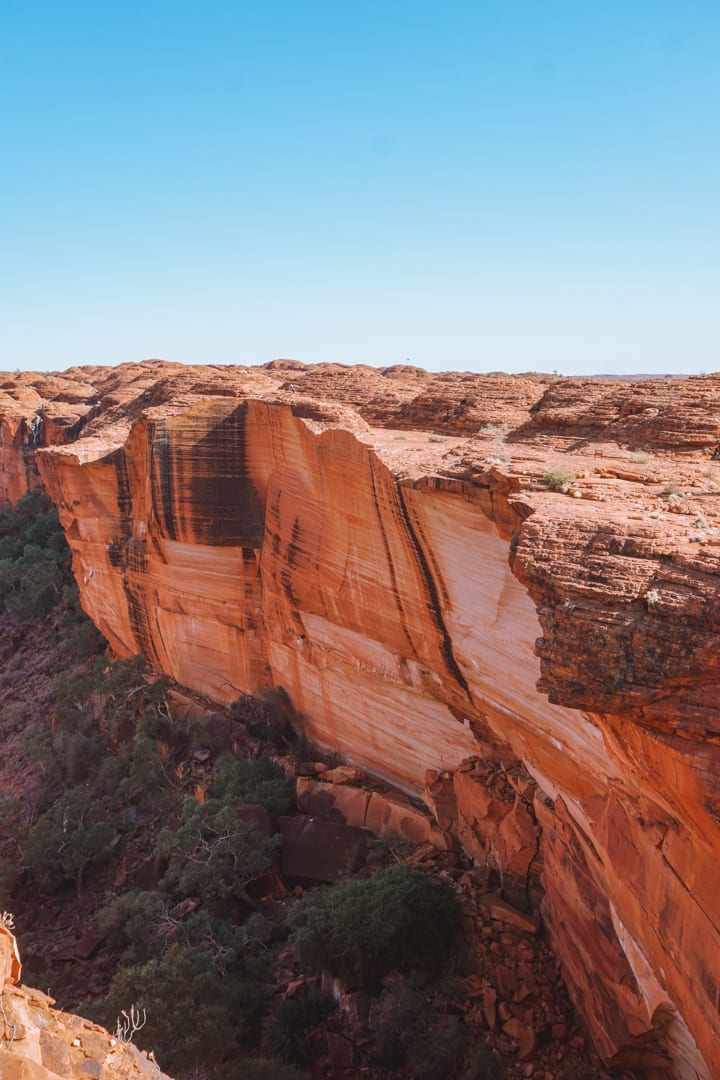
(558,477)
(409,1032)
(84,753)
(292,1025)
(145,926)
(70,838)
(31,584)
(34,557)
(141,776)
(136,920)
(224,942)
(71,691)
(32,520)
(265,715)
(398,1017)
(402,918)
(385,850)
(196,1016)
(262,1069)
(80,637)
(78,754)
(240,780)
(213,855)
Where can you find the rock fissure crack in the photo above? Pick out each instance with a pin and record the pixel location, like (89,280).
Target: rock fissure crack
(433,598)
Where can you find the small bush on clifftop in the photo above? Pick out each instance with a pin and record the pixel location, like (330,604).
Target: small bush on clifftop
(559,477)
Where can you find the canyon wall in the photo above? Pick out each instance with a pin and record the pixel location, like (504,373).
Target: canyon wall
(534,654)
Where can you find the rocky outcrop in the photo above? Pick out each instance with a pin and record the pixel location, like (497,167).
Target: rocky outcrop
(412,592)
(38,1042)
(407,398)
(676,416)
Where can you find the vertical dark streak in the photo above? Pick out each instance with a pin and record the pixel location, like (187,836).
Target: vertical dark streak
(124,494)
(139,621)
(433,595)
(162,480)
(391,567)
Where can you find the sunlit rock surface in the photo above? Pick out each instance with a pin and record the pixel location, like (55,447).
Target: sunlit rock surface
(410,590)
(38,1042)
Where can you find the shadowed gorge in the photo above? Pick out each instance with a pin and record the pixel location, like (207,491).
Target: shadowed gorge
(534,657)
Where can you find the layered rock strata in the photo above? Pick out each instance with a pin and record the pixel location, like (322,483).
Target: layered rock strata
(246,535)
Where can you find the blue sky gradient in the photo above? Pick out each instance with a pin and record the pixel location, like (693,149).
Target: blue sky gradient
(486,186)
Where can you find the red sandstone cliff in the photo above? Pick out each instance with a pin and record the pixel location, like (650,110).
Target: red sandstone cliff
(395,582)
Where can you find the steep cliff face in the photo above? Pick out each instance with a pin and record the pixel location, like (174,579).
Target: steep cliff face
(245,535)
(639,612)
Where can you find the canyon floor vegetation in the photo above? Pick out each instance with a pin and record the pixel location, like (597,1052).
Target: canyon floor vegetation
(141,850)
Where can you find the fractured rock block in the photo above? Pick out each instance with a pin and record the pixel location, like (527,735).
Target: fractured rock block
(389,815)
(321,850)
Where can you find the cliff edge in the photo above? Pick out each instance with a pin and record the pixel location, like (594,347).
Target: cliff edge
(38,1042)
(498,593)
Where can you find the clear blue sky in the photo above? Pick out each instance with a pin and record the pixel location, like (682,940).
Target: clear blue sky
(480,185)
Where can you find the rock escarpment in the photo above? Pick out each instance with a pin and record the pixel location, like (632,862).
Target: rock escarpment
(413,592)
(38,1042)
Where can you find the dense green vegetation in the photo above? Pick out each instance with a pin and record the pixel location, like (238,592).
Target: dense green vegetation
(191,947)
(34,557)
(93,790)
(400,919)
(192,944)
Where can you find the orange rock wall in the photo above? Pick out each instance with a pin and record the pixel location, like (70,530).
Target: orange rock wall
(248,544)
(13,471)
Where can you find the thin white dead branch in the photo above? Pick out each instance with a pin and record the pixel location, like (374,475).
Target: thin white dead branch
(128,1024)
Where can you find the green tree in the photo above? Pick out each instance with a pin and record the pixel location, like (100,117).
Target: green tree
(34,557)
(402,918)
(196,1016)
(137,920)
(292,1025)
(214,855)
(257,781)
(69,838)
